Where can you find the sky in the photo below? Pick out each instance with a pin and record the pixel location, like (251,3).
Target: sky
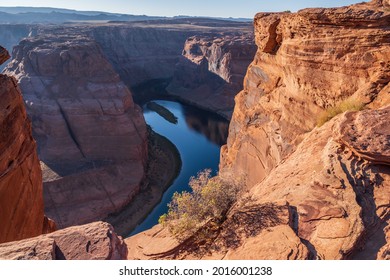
(214,8)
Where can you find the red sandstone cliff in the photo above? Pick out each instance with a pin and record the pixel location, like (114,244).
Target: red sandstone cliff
(312,192)
(305,63)
(21,200)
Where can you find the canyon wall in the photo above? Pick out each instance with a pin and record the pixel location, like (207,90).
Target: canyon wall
(311,192)
(212,68)
(11,34)
(306,62)
(21,200)
(202,63)
(140,54)
(328,200)
(91,136)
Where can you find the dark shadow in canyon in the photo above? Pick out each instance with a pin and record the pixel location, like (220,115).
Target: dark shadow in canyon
(211,125)
(214,127)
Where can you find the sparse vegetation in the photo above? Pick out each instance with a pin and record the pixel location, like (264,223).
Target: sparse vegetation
(208,202)
(349,104)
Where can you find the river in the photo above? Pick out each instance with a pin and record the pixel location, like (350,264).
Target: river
(198,135)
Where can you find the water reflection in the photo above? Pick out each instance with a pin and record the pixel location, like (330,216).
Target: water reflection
(215,128)
(198,135)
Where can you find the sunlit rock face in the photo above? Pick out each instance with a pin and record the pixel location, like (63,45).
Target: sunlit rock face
(311,192)
(306,62)
(212,70)
(21,197)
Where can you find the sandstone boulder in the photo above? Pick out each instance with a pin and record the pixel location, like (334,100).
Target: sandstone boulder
(96,241)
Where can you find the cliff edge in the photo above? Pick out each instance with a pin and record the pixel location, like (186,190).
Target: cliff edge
(21,200)
(306,63)
(312,191)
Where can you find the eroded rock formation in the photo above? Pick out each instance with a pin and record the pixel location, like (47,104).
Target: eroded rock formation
(212,70)
(205,59)
(95,241)
(91,136)
(21,200)
(312,192)
(325,201)
(11,34)
(306,62)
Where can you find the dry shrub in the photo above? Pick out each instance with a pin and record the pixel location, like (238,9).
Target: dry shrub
(349,104)
(208,202)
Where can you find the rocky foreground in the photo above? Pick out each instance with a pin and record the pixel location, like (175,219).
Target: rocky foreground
(95,241)
(312,192)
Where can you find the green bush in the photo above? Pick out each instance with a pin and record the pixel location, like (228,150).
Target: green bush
(348,104)
(209,201)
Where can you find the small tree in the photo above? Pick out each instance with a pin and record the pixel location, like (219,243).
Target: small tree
(209,201)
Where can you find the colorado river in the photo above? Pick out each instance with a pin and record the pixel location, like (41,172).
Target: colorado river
(198,135)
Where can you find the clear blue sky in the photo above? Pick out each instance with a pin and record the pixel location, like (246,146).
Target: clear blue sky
(218,8)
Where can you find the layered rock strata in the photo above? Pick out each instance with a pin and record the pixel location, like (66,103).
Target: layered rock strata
(21,200)
(95,241)
(306,62)
(11,34)
(312,192)
(91,136)
(206,63)
(212,70)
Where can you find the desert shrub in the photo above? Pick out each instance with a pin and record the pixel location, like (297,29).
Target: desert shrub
(208,201)
(349,104)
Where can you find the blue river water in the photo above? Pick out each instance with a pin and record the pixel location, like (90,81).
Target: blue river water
(198,135)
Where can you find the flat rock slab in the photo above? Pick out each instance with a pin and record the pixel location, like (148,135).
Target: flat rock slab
(95,241)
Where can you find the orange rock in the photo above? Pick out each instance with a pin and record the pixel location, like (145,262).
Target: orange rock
(334,179)
(95,241)
(4,55)
(306,62)
(21,198)
(212,69)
